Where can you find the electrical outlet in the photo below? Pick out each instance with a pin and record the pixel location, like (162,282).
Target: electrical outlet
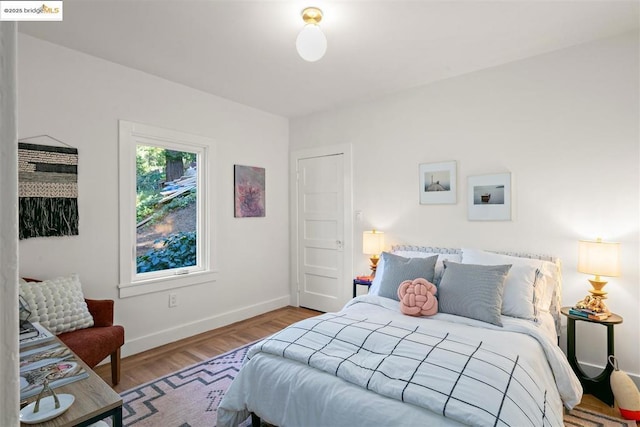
(173,300)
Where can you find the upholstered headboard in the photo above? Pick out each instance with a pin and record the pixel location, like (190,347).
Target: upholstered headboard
(556,299)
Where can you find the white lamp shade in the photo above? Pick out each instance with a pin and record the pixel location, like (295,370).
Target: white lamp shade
(311,43)
(599,258)
(372,242)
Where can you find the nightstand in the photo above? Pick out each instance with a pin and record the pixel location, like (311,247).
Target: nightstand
(598,386)
(363,282)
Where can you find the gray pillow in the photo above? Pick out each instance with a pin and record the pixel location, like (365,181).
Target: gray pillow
(397,269)
(473,291)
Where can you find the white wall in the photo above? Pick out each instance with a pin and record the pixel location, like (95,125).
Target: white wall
(565,124)
(79,99)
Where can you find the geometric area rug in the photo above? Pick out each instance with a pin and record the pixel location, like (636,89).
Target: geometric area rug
(187,398)
(190,397)
(585,418)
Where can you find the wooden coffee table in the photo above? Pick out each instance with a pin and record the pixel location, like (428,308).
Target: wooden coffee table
(94,400)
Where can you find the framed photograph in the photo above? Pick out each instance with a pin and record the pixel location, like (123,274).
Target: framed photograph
(438,183)
(490,197)
(249,191)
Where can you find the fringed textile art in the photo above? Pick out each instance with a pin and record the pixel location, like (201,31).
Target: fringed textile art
(48,190)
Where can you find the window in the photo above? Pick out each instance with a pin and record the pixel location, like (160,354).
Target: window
(165,209)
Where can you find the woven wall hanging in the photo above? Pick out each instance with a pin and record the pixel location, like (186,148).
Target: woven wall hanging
(48,189)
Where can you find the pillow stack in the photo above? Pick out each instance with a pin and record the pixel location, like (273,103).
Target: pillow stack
(477,284)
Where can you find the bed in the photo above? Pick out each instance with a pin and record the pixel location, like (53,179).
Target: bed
(488,357)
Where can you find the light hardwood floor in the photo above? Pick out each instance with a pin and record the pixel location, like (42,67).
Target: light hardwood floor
(149,365)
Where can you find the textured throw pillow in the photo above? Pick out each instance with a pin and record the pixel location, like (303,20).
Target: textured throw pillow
(397,269)
(473,291)
(525,288)
(58,304)
(418,297)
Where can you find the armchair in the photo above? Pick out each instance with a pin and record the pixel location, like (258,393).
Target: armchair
(103,339)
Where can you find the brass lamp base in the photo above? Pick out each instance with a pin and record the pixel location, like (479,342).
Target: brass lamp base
(374,264)
(597,286)
(595,301)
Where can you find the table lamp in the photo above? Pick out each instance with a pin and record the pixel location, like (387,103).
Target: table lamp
(372,245)
(600,259)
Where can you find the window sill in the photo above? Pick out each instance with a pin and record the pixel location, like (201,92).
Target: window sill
(127,290)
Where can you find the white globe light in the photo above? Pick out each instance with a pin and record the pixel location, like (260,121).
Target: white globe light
(311,43)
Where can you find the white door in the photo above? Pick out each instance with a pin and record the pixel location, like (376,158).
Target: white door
(321,232)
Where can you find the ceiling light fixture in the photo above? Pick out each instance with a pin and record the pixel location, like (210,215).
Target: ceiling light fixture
(311,42)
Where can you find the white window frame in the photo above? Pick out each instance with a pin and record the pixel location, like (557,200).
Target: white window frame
(131,282)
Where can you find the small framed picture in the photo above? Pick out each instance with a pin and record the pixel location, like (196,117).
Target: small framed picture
(438,183)
(490,197)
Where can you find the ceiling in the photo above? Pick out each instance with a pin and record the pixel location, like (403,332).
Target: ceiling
(244,51)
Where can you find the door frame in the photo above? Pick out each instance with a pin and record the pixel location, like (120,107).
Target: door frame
(347,252)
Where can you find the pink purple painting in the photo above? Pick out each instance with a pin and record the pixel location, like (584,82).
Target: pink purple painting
(249,191)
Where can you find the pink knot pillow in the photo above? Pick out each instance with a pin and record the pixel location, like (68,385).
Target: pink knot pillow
(418,297)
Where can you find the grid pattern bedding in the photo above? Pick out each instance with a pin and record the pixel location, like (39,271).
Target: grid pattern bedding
(442,370)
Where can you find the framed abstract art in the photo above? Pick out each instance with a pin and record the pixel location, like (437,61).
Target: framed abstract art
(249,191)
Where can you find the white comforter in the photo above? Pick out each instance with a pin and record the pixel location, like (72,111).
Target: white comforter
(444,366)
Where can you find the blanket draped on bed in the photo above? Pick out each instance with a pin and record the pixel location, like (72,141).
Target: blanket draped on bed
(468,380)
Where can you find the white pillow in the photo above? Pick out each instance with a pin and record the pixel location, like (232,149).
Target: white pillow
(525,287)
(58,304)
(550,278)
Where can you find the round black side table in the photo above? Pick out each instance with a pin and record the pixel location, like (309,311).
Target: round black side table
(598,386)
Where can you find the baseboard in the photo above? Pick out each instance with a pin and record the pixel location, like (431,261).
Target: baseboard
(147,342)
(594,370)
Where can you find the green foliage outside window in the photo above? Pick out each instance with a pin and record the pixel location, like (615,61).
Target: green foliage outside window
(178,250)
(153,166)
